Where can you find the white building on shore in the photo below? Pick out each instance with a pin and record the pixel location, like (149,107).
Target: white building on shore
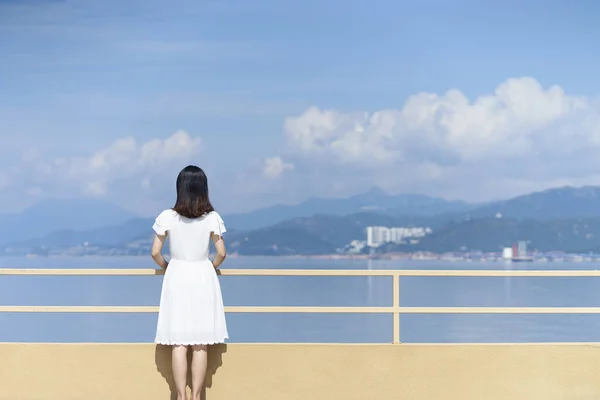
(378,235)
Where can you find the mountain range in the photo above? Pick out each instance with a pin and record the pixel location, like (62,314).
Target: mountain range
(562,218)
(375,200)
(55,215)
(63,215)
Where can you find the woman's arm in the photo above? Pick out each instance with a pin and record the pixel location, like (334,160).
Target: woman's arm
(157,246)
(220,248)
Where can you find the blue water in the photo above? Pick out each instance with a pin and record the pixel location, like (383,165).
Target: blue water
(305,291)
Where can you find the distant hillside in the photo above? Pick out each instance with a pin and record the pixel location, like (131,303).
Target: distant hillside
(559,219)
(325,234)
(80,215)
(60,214)
(116,235)
(320,234)
(551,204)
(492,234)
(557,203)
(374,200)
(280,241)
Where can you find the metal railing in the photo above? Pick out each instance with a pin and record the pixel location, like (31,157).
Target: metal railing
(395,309)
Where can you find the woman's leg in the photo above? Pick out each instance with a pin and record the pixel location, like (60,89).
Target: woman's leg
(199,363)
(179,364)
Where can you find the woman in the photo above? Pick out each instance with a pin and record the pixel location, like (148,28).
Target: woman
(191,307)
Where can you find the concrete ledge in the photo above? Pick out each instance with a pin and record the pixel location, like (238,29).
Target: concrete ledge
(304,371)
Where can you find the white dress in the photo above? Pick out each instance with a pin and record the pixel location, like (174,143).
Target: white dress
(191,305)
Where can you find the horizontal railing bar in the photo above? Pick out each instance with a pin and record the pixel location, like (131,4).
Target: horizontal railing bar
(499,310)
(316,344)
(308,309)
(78,309)
(230,309)
(502,273)
(314,309)
(80,271)
(228,272)
(311,272)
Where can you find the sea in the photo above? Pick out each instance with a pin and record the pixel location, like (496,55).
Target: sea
(307,291)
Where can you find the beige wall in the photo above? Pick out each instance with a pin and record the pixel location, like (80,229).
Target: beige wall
(306,372)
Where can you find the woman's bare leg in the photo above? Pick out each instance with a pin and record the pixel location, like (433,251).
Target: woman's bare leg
(179,364)
(199,364)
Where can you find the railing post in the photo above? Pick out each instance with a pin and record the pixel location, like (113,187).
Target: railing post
(396,304)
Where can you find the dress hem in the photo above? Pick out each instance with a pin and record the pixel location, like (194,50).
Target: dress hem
(185,343)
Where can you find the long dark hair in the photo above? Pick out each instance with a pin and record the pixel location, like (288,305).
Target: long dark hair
(192,193)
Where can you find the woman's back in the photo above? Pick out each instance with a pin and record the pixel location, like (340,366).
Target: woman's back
(189,239)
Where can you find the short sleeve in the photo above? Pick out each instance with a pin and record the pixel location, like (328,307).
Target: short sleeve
(217,225)
(163,222)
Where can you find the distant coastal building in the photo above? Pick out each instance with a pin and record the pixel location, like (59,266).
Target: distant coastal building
(378,235)
(519,251)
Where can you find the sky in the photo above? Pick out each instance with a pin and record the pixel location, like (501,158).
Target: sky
(279,101)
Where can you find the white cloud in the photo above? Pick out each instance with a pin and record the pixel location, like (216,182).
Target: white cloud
(349,137)
(123,162)
(126,158)
(521,132)
(519,115)
(274,167)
